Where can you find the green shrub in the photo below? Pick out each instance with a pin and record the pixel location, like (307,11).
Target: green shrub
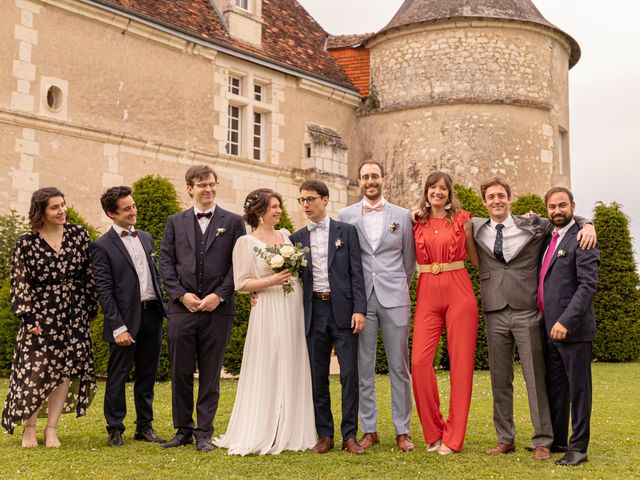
(617,302)
(99,347)
(233,355)
(285,221)
(157,200)
(75,218)
(9,325)
(11,227)
(529,203)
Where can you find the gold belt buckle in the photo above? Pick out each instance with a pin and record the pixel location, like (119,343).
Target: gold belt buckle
(436,268)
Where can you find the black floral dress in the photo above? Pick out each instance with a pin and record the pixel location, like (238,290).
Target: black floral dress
(54,291)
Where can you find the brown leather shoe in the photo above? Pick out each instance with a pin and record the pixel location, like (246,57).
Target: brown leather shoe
(351,445)
(501,449)
(542,453)
(368,440)
(323,446)
(405,444)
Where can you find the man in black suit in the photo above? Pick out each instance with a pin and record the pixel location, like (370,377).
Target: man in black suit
(128,286)
(334,312)
(567,286)
(195,263)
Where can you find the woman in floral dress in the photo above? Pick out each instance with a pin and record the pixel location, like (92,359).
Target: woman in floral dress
(53,296)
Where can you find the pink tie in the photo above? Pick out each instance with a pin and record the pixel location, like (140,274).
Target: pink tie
(545,266)
(376,208)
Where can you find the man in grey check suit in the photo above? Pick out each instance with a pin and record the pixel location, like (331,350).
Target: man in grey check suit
(388,258)
(508,250)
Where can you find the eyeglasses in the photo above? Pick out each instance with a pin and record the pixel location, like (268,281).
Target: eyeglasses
(203,186)
(309,200)
(373,176)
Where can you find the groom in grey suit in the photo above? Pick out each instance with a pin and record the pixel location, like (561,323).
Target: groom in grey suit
(508,251)
(388,258)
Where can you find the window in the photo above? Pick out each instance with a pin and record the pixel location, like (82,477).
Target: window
(308,150)
(235,85)
(564,165)
(243,4)
(258,92)
(257,136)
(233,131)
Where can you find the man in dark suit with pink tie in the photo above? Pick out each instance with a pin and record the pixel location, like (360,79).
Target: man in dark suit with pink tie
(567,285)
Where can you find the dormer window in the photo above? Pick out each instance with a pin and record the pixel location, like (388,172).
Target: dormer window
(243,4)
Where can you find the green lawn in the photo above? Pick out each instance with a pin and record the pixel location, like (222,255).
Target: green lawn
(614,451)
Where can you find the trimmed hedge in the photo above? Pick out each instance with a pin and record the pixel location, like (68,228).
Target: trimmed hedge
(617,302)
(529,203)
(9,326)
(11,227)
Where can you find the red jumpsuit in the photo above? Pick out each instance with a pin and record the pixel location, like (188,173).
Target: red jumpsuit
(445,299)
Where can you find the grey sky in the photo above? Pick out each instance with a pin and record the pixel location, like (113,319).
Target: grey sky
(604,89)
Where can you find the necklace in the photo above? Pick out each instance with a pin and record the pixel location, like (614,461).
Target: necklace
(54,240)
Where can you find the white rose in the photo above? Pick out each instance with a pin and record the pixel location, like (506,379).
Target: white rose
(276,261)
(287,250)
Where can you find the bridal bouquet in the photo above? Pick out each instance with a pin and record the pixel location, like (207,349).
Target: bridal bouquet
(285,256)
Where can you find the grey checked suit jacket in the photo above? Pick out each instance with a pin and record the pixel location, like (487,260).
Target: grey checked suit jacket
(390,265)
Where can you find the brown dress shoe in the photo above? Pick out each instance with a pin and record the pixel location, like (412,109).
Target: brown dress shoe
(323,446)
(501,449)
(405,444)
(351,445)
(369,440)
(542,453)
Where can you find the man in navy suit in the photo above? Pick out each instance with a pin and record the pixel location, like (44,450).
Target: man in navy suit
(567,286)
(195,263)
(128,286)
(334,312)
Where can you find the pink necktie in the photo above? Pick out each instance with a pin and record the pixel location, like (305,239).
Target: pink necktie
(545,266)
(376,208)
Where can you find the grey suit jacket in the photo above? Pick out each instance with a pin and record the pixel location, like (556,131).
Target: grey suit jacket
(390,265)
(514,283)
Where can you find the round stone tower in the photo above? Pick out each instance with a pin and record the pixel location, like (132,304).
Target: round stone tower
(477,89)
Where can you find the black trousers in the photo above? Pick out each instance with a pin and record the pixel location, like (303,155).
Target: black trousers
(144,355)
(569,389)
(323,335)
(196,340)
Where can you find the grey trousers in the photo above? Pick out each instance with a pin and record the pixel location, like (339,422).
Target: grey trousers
(394,324)
(506,329)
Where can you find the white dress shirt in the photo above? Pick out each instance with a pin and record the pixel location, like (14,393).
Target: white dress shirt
(139,258)
(373,222)
(513,238)
(204,221)
(319,243)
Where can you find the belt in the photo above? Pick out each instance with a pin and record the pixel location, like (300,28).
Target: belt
(437,268)
(324,296)
(147,304)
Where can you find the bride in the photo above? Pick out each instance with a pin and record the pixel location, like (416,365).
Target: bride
(273,410)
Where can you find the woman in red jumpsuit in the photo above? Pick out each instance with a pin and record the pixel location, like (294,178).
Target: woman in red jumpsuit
(445,298)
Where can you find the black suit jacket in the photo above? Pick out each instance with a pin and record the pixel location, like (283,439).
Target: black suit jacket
(346,279)
(117,283)
(178,257)
(570,285)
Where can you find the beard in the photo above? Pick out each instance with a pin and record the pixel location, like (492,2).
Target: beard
(561,221)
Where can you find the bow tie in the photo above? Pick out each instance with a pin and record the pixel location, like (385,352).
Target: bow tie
(204,215)
(376,208)
(127,233)
(314,226)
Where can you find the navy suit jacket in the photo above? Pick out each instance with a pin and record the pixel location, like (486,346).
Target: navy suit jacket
(570,285)
(346,279)
(178,258)
(117,283)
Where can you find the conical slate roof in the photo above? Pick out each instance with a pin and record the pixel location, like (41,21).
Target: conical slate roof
(421,11)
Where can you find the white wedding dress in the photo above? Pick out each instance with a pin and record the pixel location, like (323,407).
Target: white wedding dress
(273,410)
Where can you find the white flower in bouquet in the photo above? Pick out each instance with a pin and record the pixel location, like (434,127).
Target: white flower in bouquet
(277,261)
(288,251)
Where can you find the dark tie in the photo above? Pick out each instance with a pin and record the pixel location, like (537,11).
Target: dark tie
(204,215)
(497,247)
(546,262)
(127,233)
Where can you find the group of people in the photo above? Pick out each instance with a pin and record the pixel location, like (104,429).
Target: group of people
(538,278)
